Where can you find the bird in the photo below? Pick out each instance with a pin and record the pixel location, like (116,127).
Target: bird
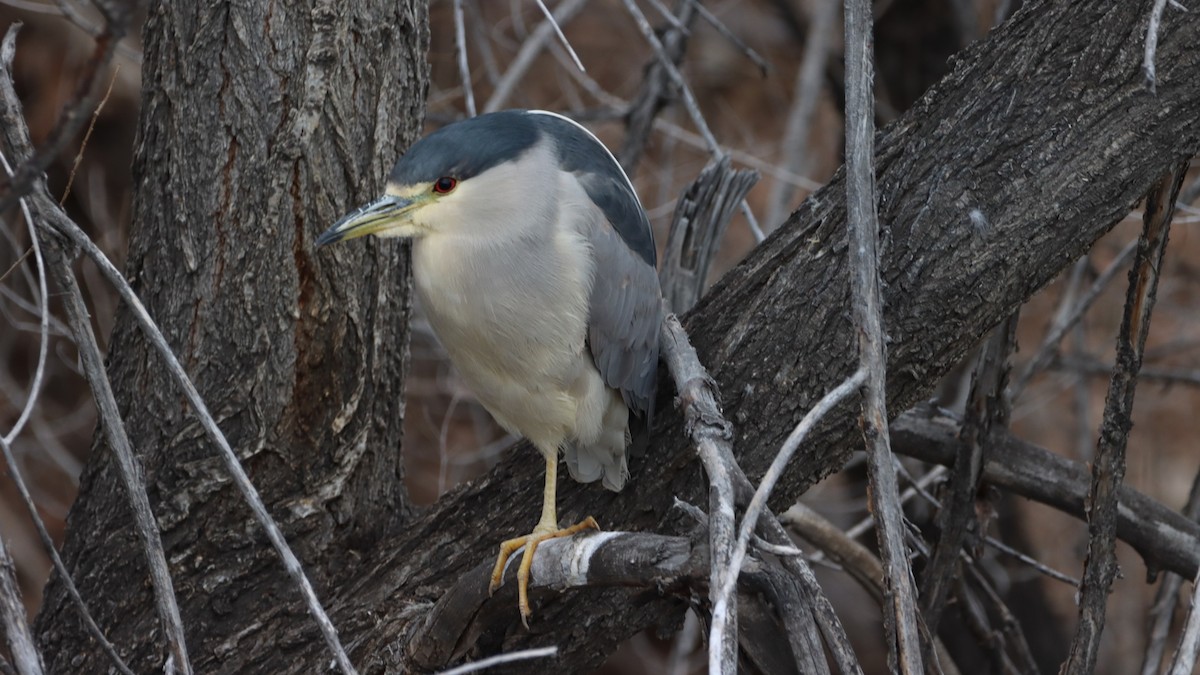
(535,264)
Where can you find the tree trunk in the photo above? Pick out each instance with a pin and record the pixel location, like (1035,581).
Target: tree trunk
(1041,139)
(253,138)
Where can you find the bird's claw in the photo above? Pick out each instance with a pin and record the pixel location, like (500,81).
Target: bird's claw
(530,542)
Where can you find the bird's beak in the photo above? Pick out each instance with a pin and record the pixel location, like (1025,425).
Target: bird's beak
(382,214)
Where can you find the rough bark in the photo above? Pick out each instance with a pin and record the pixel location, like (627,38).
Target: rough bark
(1042,138)
(252,139)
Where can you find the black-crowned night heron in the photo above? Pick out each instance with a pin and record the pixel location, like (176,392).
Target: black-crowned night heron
(534,261)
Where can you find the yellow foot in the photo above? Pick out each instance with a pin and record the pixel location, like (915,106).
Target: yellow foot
(530,542)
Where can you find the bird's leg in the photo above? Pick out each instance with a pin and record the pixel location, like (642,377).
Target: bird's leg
(547,528)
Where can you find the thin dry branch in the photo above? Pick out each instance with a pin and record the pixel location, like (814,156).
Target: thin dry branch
(699,402)
(501,659)
(18,639)
(695,232)
(713,437)
(728,34)
(1090,365)
(1045,351)
(854,559)
(809,84)
(56,561)
(987,407)
(1108,469)
(656,88)
(63,226)
(689,101)
(460,46)
(757,507)
(7,51)
(1189,641)
(1164,538)
(1152,28)
(119,21)
(527,54)
(901,620)
(43,309)
(561,38)
(1162,612)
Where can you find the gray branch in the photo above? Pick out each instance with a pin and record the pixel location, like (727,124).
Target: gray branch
(1164,538)
(900,619)
(1108,467)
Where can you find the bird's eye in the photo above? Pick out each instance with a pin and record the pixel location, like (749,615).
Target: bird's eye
(444,185)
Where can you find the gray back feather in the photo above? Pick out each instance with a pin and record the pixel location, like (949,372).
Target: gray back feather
(626,303)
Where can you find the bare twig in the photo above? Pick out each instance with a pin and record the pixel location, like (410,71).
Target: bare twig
(689,101)
(809,84)
(720,27)
(14,473)
(713,436)
(690,376)
(464,70)
(64,226)
(854,558)
(666,13)
(1163,537)
(24,652)
(561,38)
(1066,321)
(43,299)
(1162,612)
(986,407)
(16,264)
(900,620)
(687,371)
(1090,365)
(1189,641)
(527,54)
(1010,628)
(119,22)
(1037,565)
(657,87)
(87,136)
(1152,28)
(758,502)
(501,659)
(1108,468)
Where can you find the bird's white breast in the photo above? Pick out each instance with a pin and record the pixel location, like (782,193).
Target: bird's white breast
(512,315)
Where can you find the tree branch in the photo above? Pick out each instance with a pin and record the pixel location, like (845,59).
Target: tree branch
(1108,468)
(987,409)
(1164,538)
(18,639)
(119,20)
(900,620)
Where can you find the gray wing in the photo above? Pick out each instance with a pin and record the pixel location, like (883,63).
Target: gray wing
(625,313)
(626,302)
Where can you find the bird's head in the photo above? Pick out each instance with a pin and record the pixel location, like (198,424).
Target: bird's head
(484,170)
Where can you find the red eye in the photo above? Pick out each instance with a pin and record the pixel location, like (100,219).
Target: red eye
(444,185)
